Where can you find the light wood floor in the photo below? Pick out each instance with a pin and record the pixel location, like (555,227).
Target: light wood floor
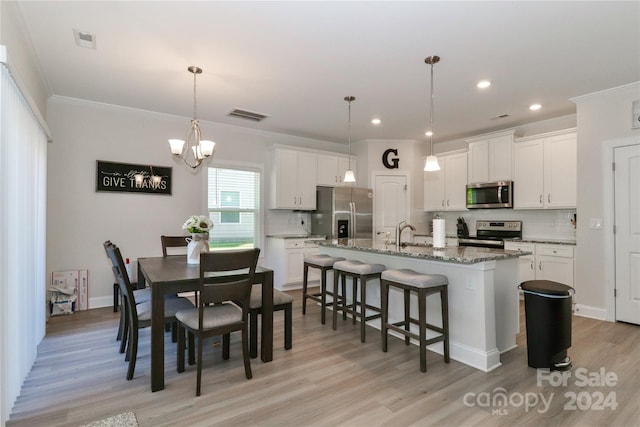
(329,378)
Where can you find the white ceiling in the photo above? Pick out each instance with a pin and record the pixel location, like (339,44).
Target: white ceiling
(296,61)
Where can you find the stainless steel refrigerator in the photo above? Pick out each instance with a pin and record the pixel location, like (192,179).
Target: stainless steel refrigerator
(343,212)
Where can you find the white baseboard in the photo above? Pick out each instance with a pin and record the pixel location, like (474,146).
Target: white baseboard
(597,313)
(99,302)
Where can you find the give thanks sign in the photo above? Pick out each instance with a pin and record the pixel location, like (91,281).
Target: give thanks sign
(129,178)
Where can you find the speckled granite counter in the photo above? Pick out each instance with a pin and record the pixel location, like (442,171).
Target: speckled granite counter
(457,254)
(483,293)
(296,236)
(543,240)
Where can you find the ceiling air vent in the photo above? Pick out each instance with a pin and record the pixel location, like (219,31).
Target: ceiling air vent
(84,39)
(247,115)
(501,116)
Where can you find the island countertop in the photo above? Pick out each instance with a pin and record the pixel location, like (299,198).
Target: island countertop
(454,254)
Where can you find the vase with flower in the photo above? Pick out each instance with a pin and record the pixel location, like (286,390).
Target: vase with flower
(199,227)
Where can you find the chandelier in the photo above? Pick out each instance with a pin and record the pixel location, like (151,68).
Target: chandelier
(431,165)
(348,175)
(192,150)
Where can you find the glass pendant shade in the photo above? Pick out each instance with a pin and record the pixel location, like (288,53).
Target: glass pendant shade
(431,165)
(349,176)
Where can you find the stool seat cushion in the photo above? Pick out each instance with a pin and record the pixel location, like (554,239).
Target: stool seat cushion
(322,260)
(358,267)
(412,278)
(279,297)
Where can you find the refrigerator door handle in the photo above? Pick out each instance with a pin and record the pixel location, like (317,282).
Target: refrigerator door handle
(352,211)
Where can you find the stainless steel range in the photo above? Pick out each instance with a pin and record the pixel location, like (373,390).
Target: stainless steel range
(491,234)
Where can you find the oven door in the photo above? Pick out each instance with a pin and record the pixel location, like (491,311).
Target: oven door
(490,195)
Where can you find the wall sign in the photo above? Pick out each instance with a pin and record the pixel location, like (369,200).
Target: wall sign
(121,177)
(395,161)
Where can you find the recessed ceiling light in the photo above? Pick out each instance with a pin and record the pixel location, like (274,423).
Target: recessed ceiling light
(483,84)
(535,107)
(376,121)
(428,133)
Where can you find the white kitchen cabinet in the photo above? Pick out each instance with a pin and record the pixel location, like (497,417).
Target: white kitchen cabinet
(286,258)
(490,157)
(548,262)
(294,179)
(445,190)
(545,171)
(331,169)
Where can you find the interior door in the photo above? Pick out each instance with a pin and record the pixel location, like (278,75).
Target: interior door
(390,200)
(627,232)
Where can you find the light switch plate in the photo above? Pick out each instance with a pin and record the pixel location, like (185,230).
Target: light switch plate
(595,223)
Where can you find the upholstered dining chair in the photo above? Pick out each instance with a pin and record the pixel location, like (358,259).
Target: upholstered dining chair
(137,315)
(141,295)
(216,313)
(282,301)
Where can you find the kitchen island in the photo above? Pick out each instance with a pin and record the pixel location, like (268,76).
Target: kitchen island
(483,293)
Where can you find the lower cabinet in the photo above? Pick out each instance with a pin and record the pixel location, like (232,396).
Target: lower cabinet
(548,262)
(286,258)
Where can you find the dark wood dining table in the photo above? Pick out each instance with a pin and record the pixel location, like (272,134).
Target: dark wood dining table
(172,274)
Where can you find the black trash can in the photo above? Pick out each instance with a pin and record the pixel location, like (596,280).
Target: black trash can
(547,308)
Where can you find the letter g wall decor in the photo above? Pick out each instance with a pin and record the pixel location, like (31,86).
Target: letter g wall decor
(128,178)
(394,161)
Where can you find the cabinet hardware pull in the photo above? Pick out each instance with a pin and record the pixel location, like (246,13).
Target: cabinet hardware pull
(442,203)
(541,199)
(447,202)
(548,198)
(532,265)
(540,265)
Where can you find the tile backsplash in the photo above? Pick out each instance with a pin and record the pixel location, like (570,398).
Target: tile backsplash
(541,223)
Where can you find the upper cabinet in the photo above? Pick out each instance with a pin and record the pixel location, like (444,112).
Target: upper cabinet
(446,189)
(294,179)
(331,169)
(490,157)
(545,171)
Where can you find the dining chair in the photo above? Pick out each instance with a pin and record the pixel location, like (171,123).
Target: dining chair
(173,242)
(141,295)
(216,313)
(177,242)
(282,301)
(137,315)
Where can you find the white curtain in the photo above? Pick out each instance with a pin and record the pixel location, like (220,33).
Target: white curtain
(23,171)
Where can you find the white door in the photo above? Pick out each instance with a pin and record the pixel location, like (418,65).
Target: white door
(627,233)
(391,198)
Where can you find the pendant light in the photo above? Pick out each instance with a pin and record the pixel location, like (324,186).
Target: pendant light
(348,175)
(431,165)
(195,150)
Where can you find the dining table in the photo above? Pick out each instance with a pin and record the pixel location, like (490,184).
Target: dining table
(172,274)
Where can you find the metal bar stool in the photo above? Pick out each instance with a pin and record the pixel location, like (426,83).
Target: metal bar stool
(356,270)
(424,285)
(323,263)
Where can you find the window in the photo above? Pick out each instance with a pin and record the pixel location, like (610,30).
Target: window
(233,200)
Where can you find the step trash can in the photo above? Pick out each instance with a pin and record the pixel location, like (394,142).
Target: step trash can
(547,307)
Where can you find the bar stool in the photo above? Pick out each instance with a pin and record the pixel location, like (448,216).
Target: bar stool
(356,270)
(323,263)
(424,285)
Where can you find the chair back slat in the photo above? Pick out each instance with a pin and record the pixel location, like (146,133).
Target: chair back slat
(219,281)
(122,279)
(173,242)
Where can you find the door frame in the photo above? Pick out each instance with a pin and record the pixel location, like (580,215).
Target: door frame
(407,176)
(608,217)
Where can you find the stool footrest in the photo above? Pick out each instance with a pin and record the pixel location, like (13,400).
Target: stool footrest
(395,327)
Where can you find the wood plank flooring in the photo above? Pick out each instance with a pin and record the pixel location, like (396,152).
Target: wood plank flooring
(329,378)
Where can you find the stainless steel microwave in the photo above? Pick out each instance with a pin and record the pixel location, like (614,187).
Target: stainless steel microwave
(490,195)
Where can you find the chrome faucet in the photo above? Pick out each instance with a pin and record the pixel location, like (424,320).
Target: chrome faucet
(399,229)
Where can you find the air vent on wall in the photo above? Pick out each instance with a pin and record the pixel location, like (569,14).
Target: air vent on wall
(247,115)
(84,39)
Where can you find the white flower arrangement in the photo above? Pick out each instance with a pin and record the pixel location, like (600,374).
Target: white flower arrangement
(198,224)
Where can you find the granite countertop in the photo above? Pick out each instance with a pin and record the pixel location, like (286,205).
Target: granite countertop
(297,236)
(543,240)
(454,254)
